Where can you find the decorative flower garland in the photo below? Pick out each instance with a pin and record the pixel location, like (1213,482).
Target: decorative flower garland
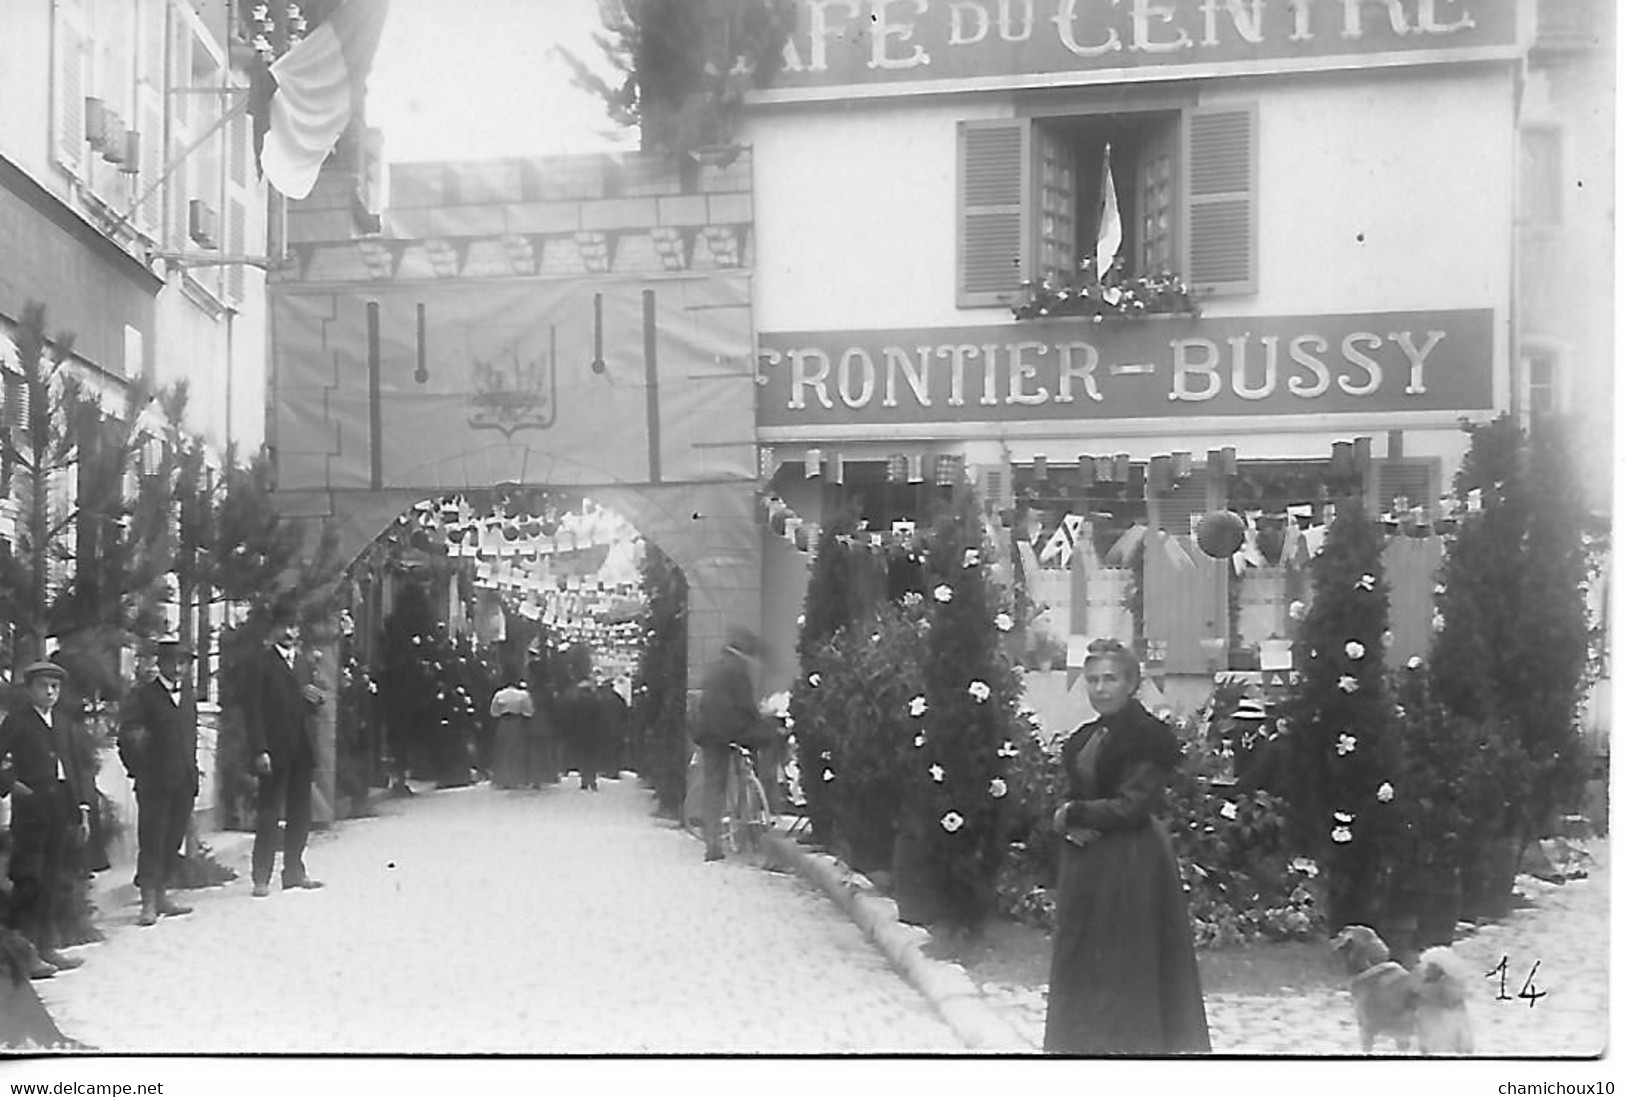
(1161,294)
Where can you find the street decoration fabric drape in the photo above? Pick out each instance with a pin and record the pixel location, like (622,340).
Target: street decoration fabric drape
(319,82)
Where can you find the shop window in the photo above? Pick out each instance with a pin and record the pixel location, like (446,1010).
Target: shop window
(1032,199)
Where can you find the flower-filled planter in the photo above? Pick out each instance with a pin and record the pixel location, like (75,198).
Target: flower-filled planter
(1116,296)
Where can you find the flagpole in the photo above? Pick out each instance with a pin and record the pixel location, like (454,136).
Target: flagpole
(237,110)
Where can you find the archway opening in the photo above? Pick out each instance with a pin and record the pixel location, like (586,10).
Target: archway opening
(473,607)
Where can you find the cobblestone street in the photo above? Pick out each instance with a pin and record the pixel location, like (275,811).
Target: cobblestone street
(474,920)
(562,922)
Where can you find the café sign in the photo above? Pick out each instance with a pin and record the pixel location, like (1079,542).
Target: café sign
(879,46)
(1121,368)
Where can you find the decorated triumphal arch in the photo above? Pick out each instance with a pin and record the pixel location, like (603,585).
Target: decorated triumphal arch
(575,322)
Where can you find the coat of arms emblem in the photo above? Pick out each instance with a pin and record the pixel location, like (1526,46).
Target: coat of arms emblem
(511,383)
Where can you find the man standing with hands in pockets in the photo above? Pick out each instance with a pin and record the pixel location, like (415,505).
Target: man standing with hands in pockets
(279,708)
(158,744)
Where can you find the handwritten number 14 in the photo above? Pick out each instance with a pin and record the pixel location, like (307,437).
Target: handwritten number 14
(1529,990)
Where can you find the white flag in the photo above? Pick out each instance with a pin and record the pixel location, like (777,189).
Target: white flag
(1109,235)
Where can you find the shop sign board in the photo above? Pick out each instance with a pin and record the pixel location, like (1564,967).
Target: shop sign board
(1122,368)
(890,46)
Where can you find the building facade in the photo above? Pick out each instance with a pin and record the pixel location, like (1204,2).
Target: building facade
(136,219)
(1306,211)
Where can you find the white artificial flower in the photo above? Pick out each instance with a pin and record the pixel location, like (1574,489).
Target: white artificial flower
(1414,663)
(919,740)
(1003,622)
(1438,621)
(801,619)
(912,599)
(1346,744)
(1296,611)
(952,821)
(943,593)
(916,707)
(996,788)
(973,557)
(829,774)
(937,773)
(814,678)
(1342,817)
(1305,866)
(1008,750)
(1228,810)
(1385,792)
(1342,834)
(1348,683)
(1366,582)
(1354,649)
(980,691)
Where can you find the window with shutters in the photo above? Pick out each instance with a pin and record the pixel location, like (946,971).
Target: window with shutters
(1169,192)
(70,84)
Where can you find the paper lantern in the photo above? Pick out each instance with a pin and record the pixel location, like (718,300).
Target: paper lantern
(1220,533)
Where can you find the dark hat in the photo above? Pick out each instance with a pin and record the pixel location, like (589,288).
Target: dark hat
(177,647)
(43,668)
(1249,709)
(744,641)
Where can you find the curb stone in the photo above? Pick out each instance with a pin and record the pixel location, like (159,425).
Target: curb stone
(945,985)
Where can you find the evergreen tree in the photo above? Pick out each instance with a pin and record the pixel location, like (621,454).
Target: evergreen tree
(955,811)
(843,588)
(660,686)
(1339,746)
(1512,646)
(684,66)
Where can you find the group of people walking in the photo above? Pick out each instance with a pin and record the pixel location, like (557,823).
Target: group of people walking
(54,797)
(541,736)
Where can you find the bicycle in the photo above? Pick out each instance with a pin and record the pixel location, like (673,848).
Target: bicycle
(745,813)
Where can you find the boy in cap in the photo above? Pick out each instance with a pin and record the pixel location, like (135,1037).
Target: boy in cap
(158,744)
(50,807)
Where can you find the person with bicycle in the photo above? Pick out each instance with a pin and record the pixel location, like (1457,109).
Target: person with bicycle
(728,715)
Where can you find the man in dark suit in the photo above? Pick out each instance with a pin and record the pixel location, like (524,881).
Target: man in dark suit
(50,807)
(158,744)
(279,709)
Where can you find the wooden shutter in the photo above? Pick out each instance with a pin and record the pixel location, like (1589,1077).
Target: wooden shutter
(1221,155)
(1415,478)
(993,158)
(70,65)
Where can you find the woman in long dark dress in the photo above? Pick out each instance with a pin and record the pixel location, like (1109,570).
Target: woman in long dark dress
(1123,977)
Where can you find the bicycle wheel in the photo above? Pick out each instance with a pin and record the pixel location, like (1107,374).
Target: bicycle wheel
(746,806)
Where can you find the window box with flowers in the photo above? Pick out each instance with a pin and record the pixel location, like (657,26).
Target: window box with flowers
(1113,296)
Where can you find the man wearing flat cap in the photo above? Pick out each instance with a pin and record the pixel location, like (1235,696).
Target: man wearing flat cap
(728,714)
(158,744)
(50,808)
(279,709)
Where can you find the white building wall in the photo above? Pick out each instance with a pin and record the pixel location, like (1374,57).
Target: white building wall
(1378,191)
